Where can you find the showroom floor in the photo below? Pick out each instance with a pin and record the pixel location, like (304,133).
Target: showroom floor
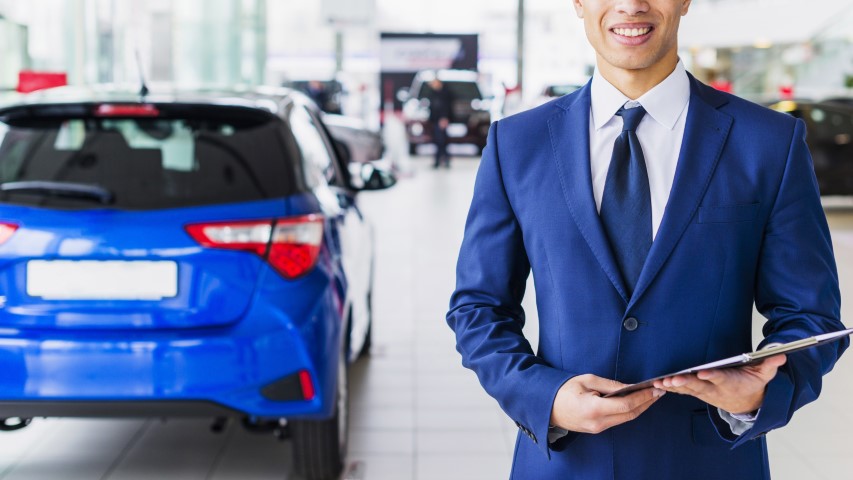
(416,413)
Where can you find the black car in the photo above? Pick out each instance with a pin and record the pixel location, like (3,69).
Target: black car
(830,139)
(839,100)
(470,113)
(327,94)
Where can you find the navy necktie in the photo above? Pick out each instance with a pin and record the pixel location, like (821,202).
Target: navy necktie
(626,207)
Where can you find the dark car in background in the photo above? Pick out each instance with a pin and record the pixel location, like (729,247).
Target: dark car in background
(358,142)
(470,112)
(829,127)
(327,94)
(839,100)
(183,254)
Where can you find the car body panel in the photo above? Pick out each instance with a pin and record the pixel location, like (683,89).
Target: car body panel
(214,286)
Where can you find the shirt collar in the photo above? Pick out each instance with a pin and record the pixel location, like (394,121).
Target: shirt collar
(664,103)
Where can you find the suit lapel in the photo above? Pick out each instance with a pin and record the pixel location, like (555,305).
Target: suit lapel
(705,135)
(569,130)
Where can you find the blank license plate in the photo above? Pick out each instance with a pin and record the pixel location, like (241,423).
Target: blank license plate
(102,280)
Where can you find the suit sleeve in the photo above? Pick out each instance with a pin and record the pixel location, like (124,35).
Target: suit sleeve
(796,289)
(485,310)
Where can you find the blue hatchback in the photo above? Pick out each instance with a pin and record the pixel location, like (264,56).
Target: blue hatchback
(182,254)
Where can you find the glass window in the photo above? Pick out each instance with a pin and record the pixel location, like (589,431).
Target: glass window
(193,156)
(318,160)
(458,90)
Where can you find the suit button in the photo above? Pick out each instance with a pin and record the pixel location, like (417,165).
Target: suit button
(630,324)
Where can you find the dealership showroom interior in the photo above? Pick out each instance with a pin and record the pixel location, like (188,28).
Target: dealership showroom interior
(426,239)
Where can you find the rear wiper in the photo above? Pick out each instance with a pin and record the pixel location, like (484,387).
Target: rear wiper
(61,189)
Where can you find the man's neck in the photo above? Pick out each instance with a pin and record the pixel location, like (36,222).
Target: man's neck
(634,83)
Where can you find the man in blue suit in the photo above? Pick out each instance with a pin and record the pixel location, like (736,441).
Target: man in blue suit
(653,212)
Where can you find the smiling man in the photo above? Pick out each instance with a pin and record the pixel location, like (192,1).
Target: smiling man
(653,212)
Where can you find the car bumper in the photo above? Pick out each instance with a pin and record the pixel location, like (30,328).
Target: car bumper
(149,373)
(419,133)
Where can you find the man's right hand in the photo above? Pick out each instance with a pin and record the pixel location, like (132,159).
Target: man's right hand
(579,406)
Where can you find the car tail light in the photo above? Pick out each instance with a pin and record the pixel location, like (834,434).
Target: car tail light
(6,231)
(117,110)
(290,245)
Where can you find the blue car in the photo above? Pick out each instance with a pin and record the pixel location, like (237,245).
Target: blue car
(182,254)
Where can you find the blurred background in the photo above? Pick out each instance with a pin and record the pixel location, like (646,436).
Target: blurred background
(416,413)
(761,49)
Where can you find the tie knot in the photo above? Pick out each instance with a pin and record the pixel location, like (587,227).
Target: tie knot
(631,117)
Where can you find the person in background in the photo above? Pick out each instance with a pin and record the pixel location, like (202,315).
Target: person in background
(317,91)
(440,109)
(654,212)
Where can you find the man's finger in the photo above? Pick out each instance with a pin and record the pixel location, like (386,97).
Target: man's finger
(773,363)
(602,385)
(628,403)
(766,370)
(687,385)
(714,376)
(620,418)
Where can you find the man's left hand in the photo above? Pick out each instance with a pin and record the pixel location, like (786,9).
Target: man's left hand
(734,390)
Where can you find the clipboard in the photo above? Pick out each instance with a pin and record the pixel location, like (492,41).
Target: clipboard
(741,360)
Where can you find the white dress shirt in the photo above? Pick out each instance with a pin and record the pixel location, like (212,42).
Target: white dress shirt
(660,133)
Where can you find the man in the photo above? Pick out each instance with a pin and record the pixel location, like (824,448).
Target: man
(440,109)
(653,212)
(317,91)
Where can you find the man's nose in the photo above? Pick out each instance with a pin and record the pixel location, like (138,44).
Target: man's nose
(632,7)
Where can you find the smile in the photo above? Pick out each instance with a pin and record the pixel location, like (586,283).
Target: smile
(632,32)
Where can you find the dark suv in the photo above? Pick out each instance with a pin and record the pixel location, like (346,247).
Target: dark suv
(830,139)
(470,112)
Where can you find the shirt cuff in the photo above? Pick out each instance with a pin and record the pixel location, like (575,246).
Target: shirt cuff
(738,422)
(556,433)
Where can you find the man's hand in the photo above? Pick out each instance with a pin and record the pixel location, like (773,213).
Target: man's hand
(734,390)
(443,123)
(578,406)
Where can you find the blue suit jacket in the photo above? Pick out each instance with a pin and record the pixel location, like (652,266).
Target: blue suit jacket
(743,224)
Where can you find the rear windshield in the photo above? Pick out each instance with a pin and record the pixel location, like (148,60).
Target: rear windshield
(184,156)
(458,90)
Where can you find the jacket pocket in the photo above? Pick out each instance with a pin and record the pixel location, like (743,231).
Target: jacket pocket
(704,433)
(728,213)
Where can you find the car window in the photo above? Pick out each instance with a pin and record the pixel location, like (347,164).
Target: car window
(317,159)
(182,160)
(828,124)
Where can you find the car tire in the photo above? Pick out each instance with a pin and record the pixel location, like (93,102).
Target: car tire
(320,446)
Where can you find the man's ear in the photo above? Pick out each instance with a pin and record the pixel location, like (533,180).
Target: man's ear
(685,5)
(578,4)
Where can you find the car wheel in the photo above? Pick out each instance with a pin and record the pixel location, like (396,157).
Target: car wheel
(320,446)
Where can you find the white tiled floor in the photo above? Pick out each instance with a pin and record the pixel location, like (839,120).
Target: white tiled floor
(416,413)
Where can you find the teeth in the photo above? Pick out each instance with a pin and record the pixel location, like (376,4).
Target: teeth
(631,32)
